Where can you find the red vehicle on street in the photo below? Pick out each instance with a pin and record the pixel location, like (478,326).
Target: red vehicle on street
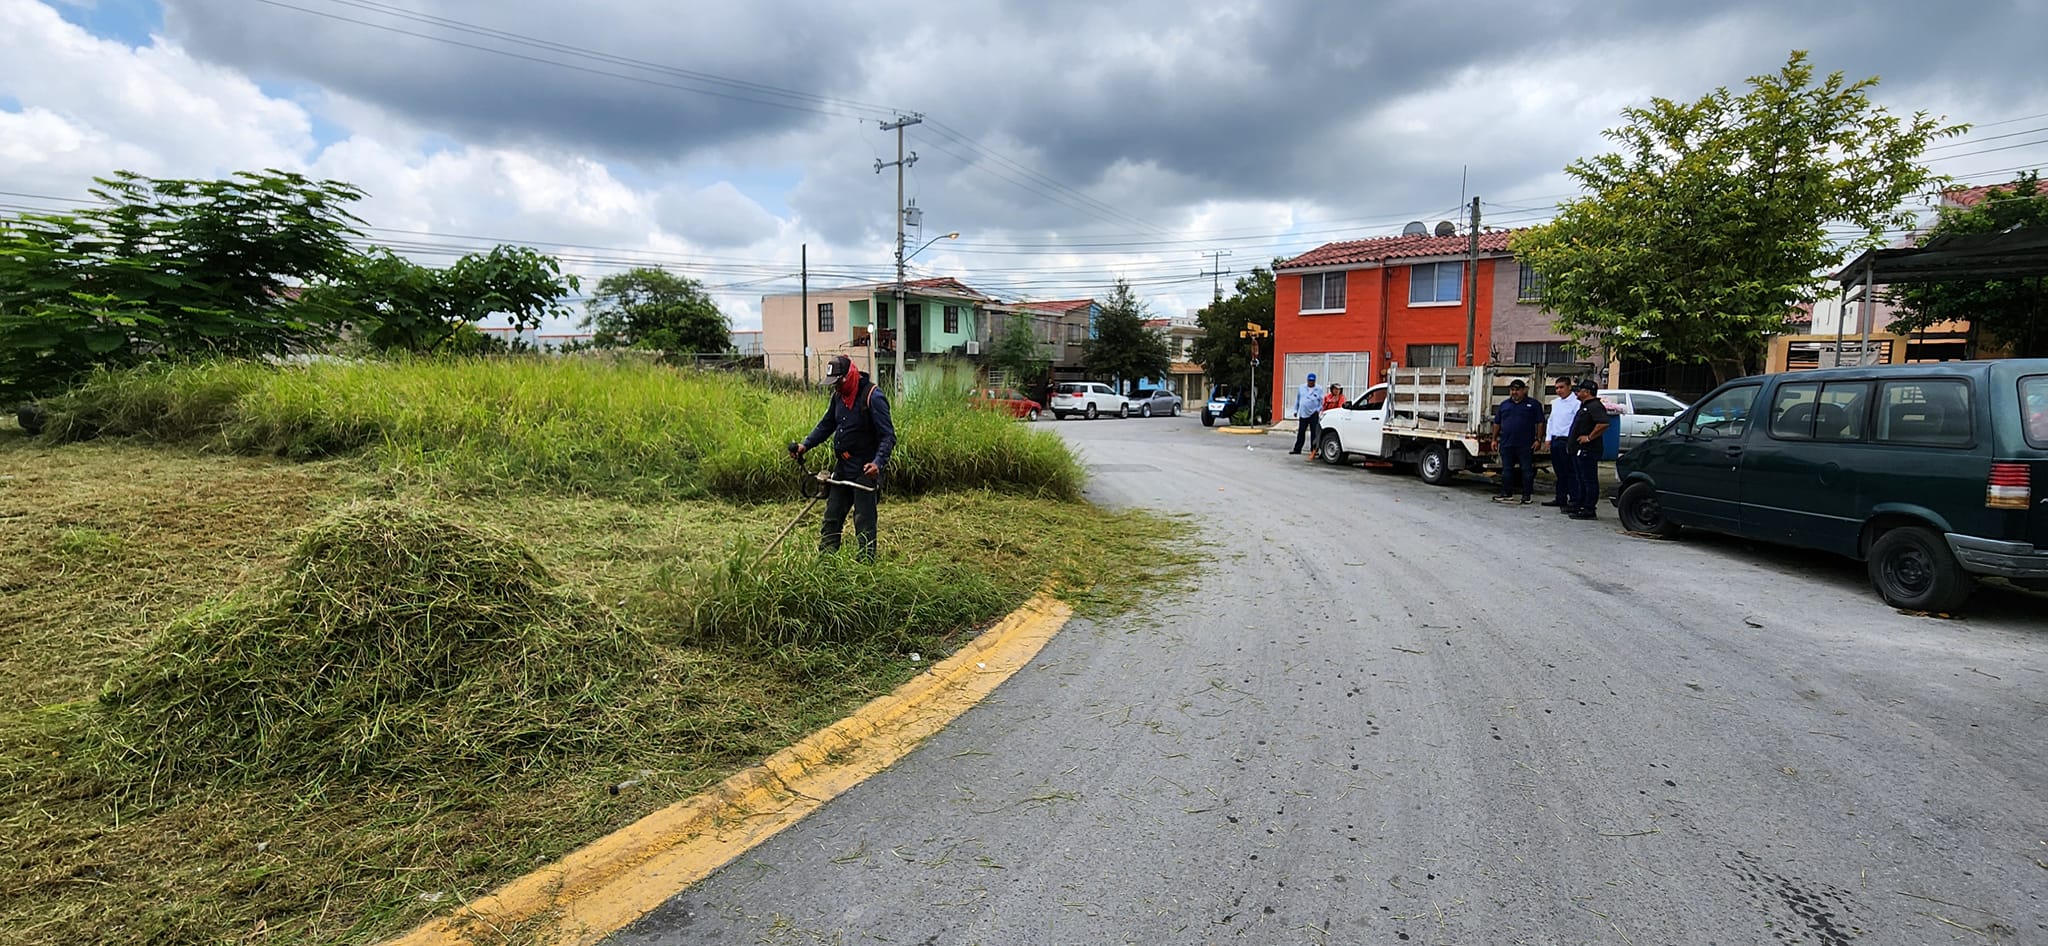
(1004,400)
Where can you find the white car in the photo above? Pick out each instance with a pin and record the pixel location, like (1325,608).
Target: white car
(1088,399)
(1641,412)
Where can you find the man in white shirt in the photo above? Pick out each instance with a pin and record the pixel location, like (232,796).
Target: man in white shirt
(1563,409)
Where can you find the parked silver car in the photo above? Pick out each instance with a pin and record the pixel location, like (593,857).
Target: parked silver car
(1151,401)
(1641,412)
(1088,399)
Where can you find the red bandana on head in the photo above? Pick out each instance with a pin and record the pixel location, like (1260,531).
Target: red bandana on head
(850,384)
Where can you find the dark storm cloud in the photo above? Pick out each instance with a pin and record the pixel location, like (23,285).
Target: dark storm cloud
(488,97)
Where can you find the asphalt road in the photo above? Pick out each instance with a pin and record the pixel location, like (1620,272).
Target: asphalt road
(1396,713)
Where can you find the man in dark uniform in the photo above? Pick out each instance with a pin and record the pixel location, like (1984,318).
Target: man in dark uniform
(1517,427)
(1589,429)
(857,420)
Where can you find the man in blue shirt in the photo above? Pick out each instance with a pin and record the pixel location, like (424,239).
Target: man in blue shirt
(863,436)
(1308,406)
(1517,428)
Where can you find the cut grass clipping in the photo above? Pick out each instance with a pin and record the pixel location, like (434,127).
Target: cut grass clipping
(799,598)
(396,643)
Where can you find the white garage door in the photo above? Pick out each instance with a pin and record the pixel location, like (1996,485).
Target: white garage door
(1352,369)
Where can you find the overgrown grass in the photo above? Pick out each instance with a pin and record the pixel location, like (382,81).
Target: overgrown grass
(393,779)
(603,428)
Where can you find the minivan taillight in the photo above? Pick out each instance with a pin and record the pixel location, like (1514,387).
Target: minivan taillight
(2008,487)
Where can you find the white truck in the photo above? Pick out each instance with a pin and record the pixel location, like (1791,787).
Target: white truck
(1439,419)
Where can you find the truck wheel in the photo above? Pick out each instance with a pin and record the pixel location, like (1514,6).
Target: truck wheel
(1124,410)
(1640,512)
(1330,450)
(1913,569)
(1090,412)
(1208,419)
(1435,468)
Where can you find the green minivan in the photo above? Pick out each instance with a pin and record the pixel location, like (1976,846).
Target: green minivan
(1926,472)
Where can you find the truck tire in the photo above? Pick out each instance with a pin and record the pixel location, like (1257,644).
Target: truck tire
(1124,410)
(1208,419)
(1640,512)
(1913,569)
(1435,466)
(1330,450)
(1090,412)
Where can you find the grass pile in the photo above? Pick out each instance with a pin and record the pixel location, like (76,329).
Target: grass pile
(396,643)
(587,426)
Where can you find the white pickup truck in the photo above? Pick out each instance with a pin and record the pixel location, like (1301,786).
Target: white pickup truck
(1440,419)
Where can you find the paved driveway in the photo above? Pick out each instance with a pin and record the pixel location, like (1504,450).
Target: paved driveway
(1395,713)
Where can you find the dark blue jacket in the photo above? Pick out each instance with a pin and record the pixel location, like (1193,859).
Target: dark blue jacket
(860,434)
(1519,423)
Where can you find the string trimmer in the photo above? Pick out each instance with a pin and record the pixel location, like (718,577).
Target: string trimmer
(813,486)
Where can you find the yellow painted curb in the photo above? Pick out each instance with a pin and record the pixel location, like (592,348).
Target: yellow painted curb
(1242,431)
(599,888)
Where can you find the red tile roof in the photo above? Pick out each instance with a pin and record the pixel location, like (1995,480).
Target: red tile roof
(1972,196)
(1382,249)
(948,284)
(1064,305)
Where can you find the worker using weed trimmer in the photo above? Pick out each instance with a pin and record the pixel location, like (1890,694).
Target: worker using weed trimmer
(857,419)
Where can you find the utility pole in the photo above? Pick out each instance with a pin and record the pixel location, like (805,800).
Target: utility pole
(1472,300)
(803,314)
(1217,271)
(902,314)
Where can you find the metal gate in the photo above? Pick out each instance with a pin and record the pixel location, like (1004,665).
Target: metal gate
(1352,369)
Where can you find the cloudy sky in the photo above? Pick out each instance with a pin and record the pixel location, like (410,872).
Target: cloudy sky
(1070,143)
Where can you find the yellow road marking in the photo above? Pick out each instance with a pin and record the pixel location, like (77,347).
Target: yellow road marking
(599,888)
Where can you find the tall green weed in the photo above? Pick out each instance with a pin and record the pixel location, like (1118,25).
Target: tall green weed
(598,427)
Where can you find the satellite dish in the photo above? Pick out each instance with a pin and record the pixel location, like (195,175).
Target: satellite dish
(1446,228)
(1415,228)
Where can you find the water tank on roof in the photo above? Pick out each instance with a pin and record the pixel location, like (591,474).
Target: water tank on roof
(1415,228)
(1446,228)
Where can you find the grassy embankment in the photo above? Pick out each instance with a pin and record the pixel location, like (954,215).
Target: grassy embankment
(317,699)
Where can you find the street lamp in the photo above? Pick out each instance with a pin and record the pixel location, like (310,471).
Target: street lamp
(902,312)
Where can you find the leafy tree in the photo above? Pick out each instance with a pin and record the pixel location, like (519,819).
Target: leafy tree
(1017,352)
(1704,230)
(167,269)
(396,304)
(1123,348)
(1224,356)
(649,307)
(2010,310)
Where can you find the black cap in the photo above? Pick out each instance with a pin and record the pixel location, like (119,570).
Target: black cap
(1589,386)
(1517,383)
(837,368)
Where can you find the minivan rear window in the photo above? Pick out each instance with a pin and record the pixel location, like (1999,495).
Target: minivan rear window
(2034,409)
(1932,412)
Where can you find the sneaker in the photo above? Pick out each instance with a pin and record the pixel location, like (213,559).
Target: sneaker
(1585,514)
(1525,500)
(1503,499)
(1553,502)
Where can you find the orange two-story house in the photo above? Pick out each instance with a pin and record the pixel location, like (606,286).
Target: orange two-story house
(1345,311)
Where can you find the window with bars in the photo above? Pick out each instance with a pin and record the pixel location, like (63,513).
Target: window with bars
(1435,283)
(1322,292)
(824,316)
(1531,288)
(1432,356)
(952,319)
(1543,353)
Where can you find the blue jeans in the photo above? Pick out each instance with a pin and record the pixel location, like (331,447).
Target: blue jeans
(1561,467)
(1517,466)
